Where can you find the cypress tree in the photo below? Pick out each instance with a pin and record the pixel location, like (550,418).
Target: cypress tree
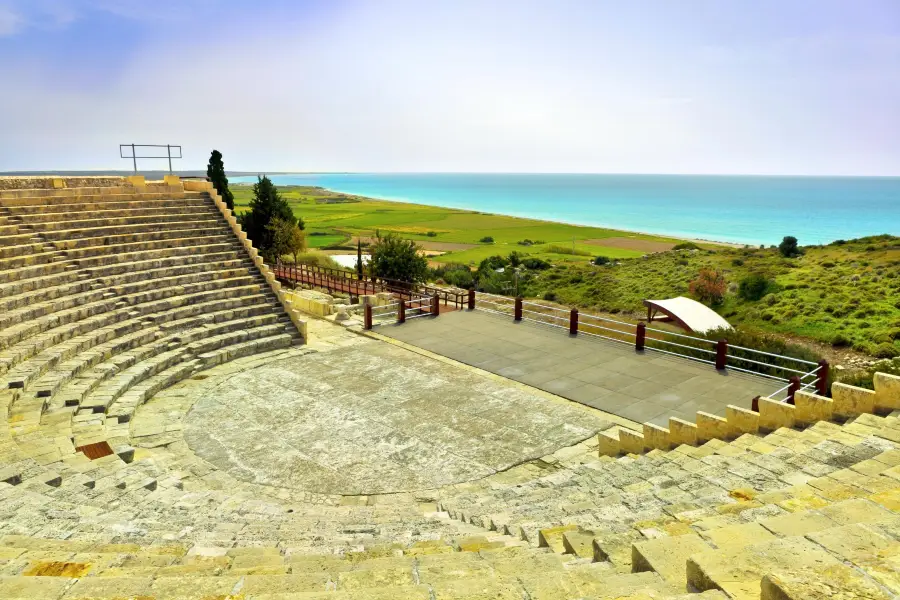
(215,172)
(266,205)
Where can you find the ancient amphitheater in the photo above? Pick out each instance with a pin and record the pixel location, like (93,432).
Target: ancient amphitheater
(176,429)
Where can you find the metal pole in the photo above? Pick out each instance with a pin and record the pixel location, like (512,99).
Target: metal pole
(134,158)
(169,152)
(640,336)
(822,382)
(573,322)
(721,354)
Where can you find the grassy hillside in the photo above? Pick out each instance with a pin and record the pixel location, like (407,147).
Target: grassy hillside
(846,293)
(335,218)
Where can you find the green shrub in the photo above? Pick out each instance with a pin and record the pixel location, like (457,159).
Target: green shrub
(536,264)
(753,287)
(557,249)
(549,296)
(886,350)
(737,262)
(431,234)
(828,264)
(601,260)
(686,246)
(525,242)
(788,247)
(487,240)
(839,340)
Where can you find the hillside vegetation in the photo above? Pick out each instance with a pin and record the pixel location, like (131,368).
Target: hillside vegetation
(845,293)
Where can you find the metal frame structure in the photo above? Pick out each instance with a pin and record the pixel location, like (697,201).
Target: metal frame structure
(134,156)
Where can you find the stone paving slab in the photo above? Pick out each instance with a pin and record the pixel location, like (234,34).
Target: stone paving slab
(369,417)
(644,387)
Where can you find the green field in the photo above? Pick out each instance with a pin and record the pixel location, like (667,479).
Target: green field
(342,217)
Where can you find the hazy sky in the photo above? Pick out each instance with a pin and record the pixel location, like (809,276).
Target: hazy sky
(690,86)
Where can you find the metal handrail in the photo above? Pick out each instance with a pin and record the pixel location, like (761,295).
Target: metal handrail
(800,360)
(681,335)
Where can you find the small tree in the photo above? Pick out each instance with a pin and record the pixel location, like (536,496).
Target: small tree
(215,172)
(287,238)
(392,257)
(753,287)
(514,258)
(709,286)
(788,247)
(265,206)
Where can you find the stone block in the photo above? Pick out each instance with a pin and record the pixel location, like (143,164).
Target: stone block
(811,408)
(741,421)
(667,556)
(631,442)
(172,179)
(682,432)
(712,427)
(136,180)
(656,437)
(608,442)
(836,582)
(775,415)
(58,183)
(887,392)
(850,401)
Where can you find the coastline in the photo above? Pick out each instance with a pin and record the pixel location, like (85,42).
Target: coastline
(624,231)
(538,220)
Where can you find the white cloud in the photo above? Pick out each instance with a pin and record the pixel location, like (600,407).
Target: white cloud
(10,20)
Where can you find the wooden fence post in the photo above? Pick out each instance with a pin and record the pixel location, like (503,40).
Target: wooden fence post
(721,354)
(436,305)
(822,382)
(401,312)
(793,388)
(367,318)
(640,336)
(517,315)
(472,299)
(573,322)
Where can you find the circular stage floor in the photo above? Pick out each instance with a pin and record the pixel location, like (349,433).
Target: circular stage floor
(375,418)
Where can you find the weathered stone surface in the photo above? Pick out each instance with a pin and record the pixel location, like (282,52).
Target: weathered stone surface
(374,418)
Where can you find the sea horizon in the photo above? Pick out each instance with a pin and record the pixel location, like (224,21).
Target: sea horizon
(735,209)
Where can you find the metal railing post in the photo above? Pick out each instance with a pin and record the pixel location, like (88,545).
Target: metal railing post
(169,154)
(517,316)
(822,381)
(436,304)
(573,322)
(721,354)
(640,336)
(793,389)
(134,156)
(401,312)
(367,316)
(472,299)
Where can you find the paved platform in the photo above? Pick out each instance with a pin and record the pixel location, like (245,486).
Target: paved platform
(361,416)
(644,387)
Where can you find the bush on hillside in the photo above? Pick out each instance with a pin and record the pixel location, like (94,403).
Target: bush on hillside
(392,257)
(709,287)
(431,234)
(686,246)
(492,263)
(487,240)
(215,173)
(455,274)
(536,264)
(840,340)
(514,258)
(753,287)
(886,350)
(601,260)
(788,247)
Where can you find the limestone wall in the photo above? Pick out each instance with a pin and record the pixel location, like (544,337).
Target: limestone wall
(46,182)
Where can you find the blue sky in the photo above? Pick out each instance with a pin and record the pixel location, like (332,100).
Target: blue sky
(690,86)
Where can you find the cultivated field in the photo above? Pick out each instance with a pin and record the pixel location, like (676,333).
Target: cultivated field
(333,219)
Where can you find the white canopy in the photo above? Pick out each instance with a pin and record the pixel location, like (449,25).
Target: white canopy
(690,314)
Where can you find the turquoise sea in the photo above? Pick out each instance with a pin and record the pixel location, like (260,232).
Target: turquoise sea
(740,209)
